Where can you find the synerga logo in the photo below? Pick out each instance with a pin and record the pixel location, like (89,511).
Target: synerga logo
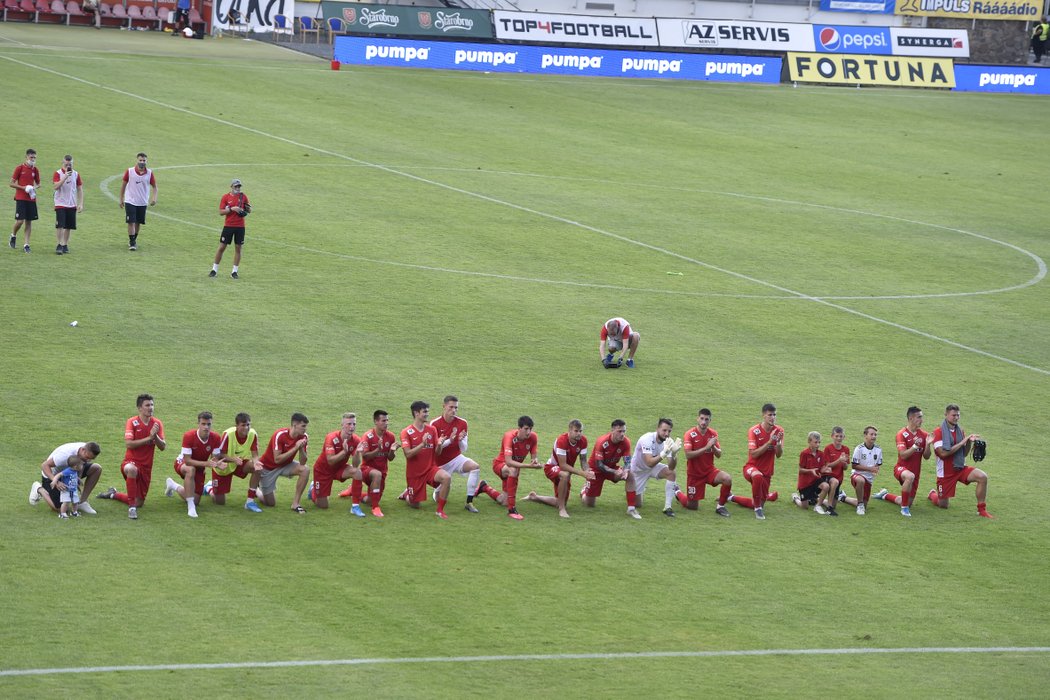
(869,40)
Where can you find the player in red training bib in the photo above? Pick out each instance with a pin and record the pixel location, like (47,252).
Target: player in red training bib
(420,443)
(952,445)
(201,449)
(701,449)
(913,446)
(339,460)
(142,435)
(517,452)
(377,447)
(561,465)
(610,461)
(765,444)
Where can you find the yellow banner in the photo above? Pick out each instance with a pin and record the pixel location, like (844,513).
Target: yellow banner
(847,69)
(972,9)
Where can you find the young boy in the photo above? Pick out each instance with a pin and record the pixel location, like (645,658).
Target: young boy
(836,457)
(70,476)
(812,486)
(867,458)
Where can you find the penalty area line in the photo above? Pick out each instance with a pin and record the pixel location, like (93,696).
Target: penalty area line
(627,655)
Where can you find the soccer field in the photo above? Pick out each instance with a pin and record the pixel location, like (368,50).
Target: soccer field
(841,253)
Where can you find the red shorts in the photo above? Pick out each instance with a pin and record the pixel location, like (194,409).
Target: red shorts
(198,478)
(696,484)
(323,478)
(856,479)
(899,470)
(366,476)
(223,484)
(552,472)
(952,476)
(751,471)
(594,488)
(143,479)
(417,485)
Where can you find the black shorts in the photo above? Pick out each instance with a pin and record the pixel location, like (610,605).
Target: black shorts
(55,494)
(66,217)
(234,234)
(134,214)
(811,493)
(25,210)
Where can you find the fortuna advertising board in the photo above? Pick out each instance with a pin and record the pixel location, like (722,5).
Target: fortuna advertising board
(845,69)
(575,29)
(734,34)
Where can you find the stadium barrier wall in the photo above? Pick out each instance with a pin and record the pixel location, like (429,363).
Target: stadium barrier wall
(1029,80)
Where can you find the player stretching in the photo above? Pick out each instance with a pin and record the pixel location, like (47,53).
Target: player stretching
(765,444)
(421,446)
(201,449)
(701,449)
(518,446)
(561,465)
(867,459)
(452,435)
(951,446)
(913,446)
(239,448)
(376,449)
(142,435)
(334,462)
(610,449)
(655,457)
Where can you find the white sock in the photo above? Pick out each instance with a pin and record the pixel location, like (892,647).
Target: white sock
(191,507)
(235,268)
(669,489)
(215,267)
(473,479)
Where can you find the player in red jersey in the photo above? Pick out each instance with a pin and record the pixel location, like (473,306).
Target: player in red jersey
(616,336)
(701,449)
(240,447)
(200,451)
(561,465)
(234,205)
(610,449)
(376,449)
(24,181)
(338,460)
(765,444)
(516,449)
(812,481)
(836,457)
(420,443)
(913,446)
(952,445)
(279,460)
(452,436)
(142,435)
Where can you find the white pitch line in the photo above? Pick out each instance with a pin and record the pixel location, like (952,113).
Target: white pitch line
(521,657)
(542,214)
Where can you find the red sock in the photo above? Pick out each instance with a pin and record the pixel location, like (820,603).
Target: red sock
(892,498)
(512,491)
(441,505)
(376,495)
(251,493)
(772,497)
(982,508)
(632,499)
(682,499)
(122,497)
(759,489)
(491,492)
(723,496)
(933,498)
(133,491)
(355,491)
(744,501)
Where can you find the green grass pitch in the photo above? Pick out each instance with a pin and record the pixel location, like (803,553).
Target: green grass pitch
(843,253)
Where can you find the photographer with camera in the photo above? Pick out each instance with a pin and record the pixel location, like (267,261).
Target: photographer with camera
(69,201)
(234,205)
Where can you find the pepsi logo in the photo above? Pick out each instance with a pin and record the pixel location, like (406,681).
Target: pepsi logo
(830,39)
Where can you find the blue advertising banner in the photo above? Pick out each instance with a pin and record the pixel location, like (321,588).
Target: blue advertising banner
(503,58)
(1029,80)
(883,7)
(852,39)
